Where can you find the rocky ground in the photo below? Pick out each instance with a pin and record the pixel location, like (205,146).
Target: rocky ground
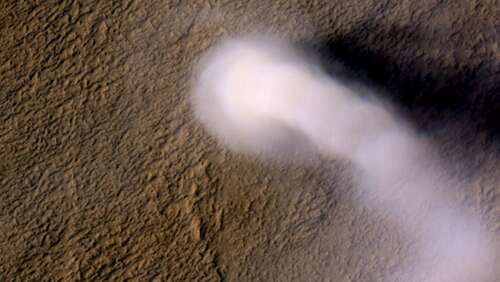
(105,175)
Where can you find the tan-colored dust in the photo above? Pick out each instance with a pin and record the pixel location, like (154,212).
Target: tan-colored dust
(105,175)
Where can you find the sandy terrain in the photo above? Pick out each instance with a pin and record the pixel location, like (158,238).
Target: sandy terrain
(105,174)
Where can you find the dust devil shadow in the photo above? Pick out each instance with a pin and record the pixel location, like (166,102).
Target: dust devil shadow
(432,97)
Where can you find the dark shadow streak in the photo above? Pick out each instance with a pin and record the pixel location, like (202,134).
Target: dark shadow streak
(431,96)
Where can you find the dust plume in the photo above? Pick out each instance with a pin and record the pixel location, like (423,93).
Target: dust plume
(265,97)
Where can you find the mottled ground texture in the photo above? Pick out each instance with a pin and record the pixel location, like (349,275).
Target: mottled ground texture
(105,175)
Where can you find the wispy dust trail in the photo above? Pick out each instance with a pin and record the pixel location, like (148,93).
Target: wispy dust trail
(262,96)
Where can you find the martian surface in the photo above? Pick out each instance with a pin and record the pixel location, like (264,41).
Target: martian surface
(106,173)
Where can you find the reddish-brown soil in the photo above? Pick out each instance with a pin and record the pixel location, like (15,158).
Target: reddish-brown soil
(105,175)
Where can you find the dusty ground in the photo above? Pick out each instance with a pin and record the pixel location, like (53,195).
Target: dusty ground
(104,174)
